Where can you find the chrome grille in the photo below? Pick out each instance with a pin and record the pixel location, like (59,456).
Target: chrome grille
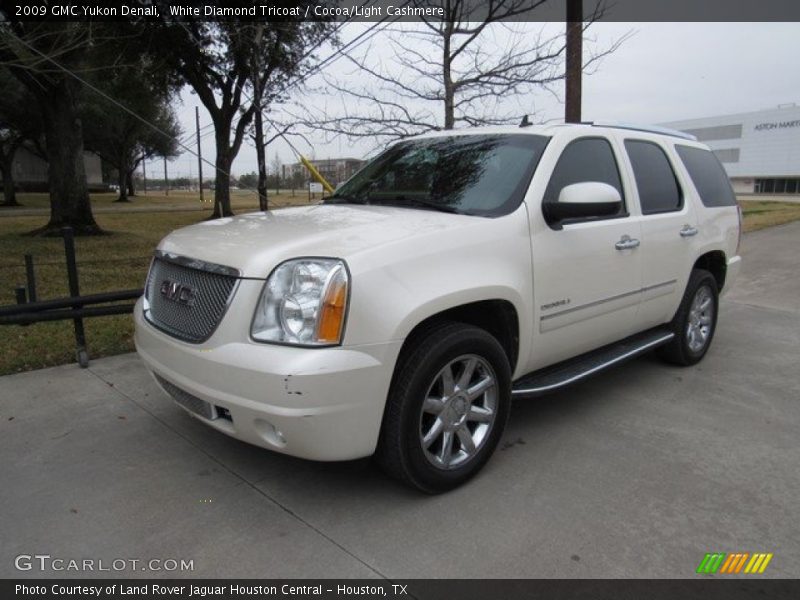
(187,302)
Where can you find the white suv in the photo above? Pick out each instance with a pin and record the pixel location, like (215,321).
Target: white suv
(453,272)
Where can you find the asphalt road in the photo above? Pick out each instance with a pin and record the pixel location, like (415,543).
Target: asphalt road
(636,473)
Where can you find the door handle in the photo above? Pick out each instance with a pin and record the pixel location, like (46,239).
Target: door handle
(626,242)
(688,231)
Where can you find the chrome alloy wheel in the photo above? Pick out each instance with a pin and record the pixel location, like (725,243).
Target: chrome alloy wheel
(458,412)
(701,320)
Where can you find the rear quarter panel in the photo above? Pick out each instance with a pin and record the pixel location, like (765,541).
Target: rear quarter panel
(719,226)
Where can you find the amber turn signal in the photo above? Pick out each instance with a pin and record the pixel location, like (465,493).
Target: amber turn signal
(334,306)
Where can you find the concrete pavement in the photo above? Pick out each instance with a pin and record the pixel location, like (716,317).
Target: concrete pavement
(637,473)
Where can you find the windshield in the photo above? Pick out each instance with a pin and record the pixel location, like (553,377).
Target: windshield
(484,175)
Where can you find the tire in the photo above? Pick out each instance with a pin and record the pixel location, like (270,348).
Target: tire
(435,435)
(695,322)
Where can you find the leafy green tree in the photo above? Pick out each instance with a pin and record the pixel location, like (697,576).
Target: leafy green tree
(249,180)
(24,49)
(57,63)
(19,123)
(149,126)
(45,57)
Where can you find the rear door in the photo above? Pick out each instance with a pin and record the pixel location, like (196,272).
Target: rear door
(668,228)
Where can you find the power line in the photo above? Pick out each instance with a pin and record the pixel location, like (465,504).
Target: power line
(316,68)
(311,71)
(102,93)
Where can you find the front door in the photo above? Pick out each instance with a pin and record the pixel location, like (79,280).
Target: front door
(587,273)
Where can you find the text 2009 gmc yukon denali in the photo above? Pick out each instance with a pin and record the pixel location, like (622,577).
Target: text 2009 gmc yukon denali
(453,272)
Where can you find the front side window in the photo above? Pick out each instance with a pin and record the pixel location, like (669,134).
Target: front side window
(584,160)
(485,175)
(658,187)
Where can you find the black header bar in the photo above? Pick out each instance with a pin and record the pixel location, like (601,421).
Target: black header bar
(701,588)
(401,10)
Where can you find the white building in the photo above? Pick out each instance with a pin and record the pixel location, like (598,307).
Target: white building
(759,150)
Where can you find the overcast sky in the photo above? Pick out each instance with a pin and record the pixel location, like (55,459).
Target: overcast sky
(663,72)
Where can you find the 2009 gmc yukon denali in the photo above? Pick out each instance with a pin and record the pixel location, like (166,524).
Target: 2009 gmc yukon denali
(453,272)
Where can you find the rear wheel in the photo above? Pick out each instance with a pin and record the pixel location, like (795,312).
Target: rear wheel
(447,408)
(695,322)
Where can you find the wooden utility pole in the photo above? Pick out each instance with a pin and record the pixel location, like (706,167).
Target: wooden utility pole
(574,73)
(199,153)
(144,176)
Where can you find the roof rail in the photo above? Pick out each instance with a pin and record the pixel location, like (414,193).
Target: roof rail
(645,128)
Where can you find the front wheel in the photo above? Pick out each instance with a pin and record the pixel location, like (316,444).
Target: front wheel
(695,322)
(447,408)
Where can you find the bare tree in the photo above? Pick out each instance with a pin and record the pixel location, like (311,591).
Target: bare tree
(256,67)
(217,60)
(277,163)
(473,67)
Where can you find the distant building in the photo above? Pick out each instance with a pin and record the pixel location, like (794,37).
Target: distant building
(760,150)
(30,171)
(334,170)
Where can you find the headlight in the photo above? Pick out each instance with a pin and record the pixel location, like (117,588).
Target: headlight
(303,302)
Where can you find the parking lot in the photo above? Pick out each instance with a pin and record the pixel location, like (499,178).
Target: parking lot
(636,473)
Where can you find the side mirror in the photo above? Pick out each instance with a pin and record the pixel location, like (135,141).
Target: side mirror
(582,200)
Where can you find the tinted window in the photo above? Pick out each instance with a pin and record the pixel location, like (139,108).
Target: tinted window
(470,174)
(708,176)
(587,159)
(655,179)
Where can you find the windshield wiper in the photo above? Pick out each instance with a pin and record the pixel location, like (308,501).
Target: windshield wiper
(415,203)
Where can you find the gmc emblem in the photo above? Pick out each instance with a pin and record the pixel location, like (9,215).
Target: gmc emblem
(177,292)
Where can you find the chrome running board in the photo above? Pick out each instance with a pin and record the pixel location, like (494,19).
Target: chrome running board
(576,369)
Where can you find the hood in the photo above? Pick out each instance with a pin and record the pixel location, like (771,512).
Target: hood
(254,243)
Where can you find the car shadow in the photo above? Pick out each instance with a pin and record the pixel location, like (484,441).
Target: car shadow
(277,475)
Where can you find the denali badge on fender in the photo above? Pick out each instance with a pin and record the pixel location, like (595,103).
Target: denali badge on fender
(175,291)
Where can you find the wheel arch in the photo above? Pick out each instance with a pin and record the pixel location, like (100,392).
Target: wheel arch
(716,263)
(499,317)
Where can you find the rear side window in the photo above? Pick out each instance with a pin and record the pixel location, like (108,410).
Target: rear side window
(708,176)
(585,159)
(658,187)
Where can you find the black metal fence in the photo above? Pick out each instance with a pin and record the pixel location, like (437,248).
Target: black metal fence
(29,309)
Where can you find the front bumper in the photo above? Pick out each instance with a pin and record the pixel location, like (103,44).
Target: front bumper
(320,404)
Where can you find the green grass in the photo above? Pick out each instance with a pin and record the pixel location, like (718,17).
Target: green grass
(759,214)
(177,199)
(120,261)
(106,263)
